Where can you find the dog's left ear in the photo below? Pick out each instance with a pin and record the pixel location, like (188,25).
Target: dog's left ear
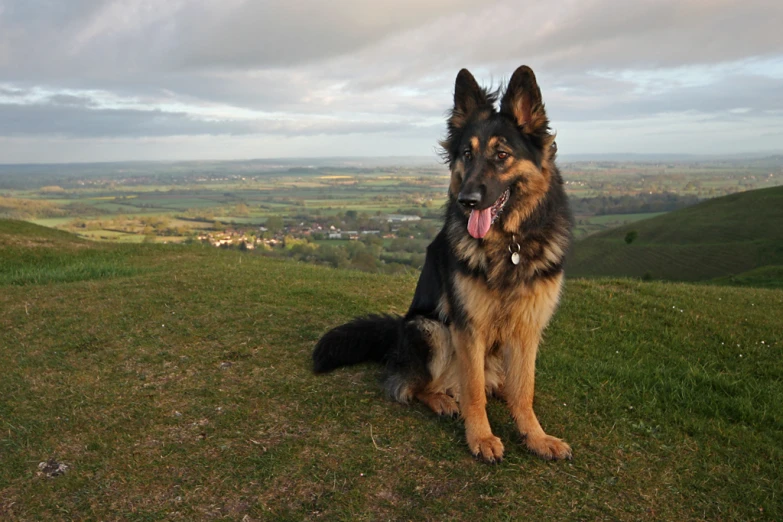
(522,101)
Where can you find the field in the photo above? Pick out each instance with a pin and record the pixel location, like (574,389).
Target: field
(121,198)
(174,383)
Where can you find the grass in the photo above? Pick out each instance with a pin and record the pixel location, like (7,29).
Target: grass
(34,255)
(182,390)
(611,219)
(762,277)
(586,226)
(715,239)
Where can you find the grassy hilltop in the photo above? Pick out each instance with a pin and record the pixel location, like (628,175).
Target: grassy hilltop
(175,384)
(738,238)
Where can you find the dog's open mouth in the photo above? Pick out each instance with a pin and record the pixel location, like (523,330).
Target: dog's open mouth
(480,221)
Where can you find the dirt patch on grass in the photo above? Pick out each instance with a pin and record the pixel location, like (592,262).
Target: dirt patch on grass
(52,468)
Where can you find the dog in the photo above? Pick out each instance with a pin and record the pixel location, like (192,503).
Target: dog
(491,279)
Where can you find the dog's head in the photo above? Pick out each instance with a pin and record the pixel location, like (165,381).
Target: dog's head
(499,160)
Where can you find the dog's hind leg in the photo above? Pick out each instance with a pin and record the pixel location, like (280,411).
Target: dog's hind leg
(415,366)
(441,368)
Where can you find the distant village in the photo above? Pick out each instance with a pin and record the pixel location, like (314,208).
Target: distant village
(262,238)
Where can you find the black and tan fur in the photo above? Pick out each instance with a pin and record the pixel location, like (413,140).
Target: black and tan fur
(476,319)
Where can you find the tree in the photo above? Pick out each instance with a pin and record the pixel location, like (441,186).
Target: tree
(372,240)
(274,224)
(364,261)
(631,236)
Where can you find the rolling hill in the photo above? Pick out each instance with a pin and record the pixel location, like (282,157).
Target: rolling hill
(174,382)
(719,238)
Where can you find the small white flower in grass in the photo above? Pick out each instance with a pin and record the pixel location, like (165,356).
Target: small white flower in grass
(740,356)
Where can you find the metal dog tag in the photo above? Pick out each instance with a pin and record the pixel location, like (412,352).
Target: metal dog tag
(515,252)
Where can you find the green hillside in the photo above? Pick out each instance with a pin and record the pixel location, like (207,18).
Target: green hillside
(175,384)
(717,238)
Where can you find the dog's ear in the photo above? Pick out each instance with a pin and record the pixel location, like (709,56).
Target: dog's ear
(522,102)
(468,98)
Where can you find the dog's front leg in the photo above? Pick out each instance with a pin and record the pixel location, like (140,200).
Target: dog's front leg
(519,388)
(470,354)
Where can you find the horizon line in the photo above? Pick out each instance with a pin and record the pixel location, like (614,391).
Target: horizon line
(573,157)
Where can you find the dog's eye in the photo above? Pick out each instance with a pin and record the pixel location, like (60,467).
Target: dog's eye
(502,155)
(467,155)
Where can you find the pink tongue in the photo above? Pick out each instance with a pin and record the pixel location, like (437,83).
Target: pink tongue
(479,222)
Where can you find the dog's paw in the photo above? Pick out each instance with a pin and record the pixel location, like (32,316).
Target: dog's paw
(440,403)
(488,449)
(549,447)
(443,404)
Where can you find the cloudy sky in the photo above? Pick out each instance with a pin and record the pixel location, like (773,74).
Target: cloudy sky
(101,80)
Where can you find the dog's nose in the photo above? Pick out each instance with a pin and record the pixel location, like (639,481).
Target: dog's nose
(470,199)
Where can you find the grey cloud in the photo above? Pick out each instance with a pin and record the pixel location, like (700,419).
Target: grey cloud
(366,45)
(353,66)
(49,120)
(11,92)
(46,12)
(76,120)
(610,100)
(646,34)
(102,39)
(70,100)
(285,32)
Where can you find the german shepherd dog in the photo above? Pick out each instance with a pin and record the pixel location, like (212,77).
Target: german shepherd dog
(491,278)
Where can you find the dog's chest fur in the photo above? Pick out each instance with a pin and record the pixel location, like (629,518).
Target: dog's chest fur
(500,317)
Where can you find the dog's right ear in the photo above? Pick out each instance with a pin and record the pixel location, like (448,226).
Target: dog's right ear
(468,98)
(467,93)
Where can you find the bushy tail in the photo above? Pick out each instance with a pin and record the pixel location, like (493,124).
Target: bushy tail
(363,339)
